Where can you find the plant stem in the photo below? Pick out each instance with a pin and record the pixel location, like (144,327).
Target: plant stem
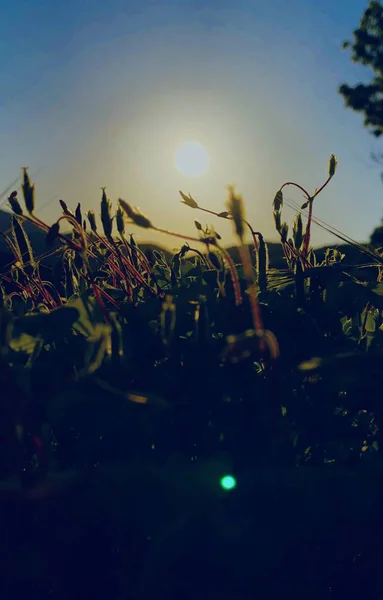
(233,275)
(251,288)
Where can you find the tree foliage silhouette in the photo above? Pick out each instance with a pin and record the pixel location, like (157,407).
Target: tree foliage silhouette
(367,49)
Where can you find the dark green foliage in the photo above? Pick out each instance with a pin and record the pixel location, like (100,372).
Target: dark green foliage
(130,385)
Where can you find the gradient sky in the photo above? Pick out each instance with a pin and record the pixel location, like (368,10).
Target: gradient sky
(103,92)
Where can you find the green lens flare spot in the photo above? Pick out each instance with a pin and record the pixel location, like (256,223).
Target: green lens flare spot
(228,482)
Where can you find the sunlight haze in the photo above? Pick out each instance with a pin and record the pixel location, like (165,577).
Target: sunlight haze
(103,94)
(192,159)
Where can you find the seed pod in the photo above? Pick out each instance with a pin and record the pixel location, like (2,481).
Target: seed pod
(14,204)
(277,220)
(284,232)
(237,211)
(65,208)
(92,220)
(78,214)
(278,200)
(135,216)
(106,218)
(28,192)
(142,221)
(332,165)
(23,243)
(133,247)
(298,231)
(120,221)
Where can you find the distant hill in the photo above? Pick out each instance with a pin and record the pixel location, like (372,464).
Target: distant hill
(277,261)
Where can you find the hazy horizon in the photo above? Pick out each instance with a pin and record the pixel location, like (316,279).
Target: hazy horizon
(104,94)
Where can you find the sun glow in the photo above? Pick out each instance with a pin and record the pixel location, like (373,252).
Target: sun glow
(192,159)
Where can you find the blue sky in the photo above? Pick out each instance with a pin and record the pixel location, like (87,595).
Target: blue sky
(103,93)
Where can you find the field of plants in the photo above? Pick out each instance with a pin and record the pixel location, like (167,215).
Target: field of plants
(202,426)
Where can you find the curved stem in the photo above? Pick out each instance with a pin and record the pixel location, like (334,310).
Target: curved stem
(322,187)
(233,275)
(297,186)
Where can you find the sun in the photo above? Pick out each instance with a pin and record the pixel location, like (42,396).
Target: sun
(192,159)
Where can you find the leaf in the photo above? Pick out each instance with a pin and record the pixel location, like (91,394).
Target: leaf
(115,293)
(89,312)
(98,345)
(51,326)
(24,343)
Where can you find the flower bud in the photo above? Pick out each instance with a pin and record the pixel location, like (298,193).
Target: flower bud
(65,208)
(135,216)
(78,214)
(278,200)
(106,218)
(188,200)
(298,231)
(237,211)
(277,220)
(92,220)
(120,221)
(28,192)
(332,165)
(14,204)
